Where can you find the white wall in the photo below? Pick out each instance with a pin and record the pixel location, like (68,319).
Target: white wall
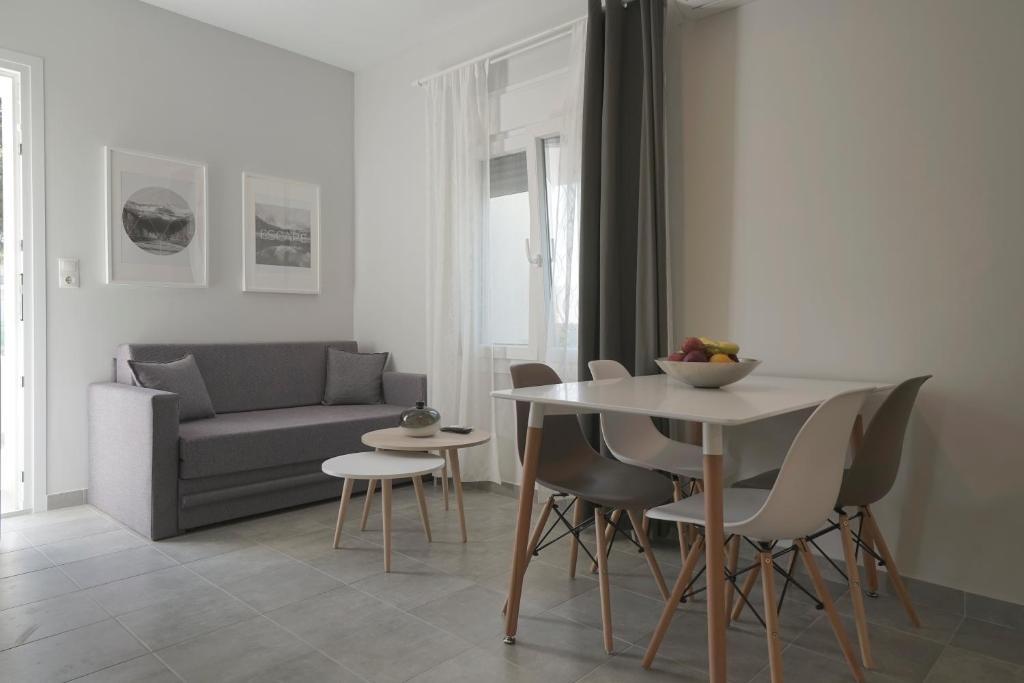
(391,179)
(853,179)
(122,73)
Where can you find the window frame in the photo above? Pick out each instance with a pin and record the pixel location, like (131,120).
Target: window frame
(530,139)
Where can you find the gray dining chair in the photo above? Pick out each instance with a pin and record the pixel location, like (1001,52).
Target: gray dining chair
(572,468)
(868,479)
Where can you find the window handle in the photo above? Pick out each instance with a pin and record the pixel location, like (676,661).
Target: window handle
(535,259)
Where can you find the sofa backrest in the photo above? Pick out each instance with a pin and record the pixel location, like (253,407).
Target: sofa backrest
(243,377)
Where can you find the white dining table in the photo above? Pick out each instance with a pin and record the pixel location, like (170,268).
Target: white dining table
(754,398)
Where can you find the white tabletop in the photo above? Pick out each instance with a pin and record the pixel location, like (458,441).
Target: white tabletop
(754,398)
(381,465)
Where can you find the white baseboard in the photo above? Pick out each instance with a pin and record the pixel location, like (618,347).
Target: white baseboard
(66,499)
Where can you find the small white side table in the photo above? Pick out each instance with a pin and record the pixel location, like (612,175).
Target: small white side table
(385,466)
(447,444)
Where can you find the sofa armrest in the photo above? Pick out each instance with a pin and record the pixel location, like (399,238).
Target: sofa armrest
(133,457)
(404,388)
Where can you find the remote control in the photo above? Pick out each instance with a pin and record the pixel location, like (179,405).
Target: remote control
(457,429)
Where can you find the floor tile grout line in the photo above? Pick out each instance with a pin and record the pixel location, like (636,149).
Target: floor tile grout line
(945,645)
(264,615)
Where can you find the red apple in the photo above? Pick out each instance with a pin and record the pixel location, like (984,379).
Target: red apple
(696,356)
(676,355)
(693,344)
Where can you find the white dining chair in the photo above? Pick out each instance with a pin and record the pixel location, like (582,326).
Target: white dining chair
(635,440)
(802,497)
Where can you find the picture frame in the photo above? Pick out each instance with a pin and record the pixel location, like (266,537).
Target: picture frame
(280,235)
(156,220)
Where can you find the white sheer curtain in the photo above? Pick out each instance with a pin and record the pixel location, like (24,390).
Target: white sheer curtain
(562,328)
(458,357)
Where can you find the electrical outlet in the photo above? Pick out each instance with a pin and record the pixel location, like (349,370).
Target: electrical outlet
(68,270)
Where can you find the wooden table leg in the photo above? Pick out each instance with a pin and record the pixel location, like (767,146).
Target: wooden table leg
(531,458)
(714,537)
(346,493)
(444,478)
(453,455)
(417,483)
(385,496)
(370,487)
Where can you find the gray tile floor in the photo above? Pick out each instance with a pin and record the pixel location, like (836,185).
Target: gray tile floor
(267,599)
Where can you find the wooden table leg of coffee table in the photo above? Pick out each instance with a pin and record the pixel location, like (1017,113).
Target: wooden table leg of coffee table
(385,496)
(714,535)
(444,478)
(370,486)
(453,455)
(531,458)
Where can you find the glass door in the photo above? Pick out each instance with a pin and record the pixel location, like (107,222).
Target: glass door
(12,451)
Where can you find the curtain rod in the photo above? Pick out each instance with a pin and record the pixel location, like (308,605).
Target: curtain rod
(511,50)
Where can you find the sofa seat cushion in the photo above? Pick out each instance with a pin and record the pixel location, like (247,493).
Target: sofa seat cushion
(239,442)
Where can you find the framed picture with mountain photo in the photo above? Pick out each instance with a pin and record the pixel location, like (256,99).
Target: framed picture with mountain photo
(156,220)
(281,235)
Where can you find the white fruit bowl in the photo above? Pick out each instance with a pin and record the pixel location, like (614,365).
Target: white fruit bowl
(707,375)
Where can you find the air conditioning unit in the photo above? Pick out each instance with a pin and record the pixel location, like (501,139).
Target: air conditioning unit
(696,9)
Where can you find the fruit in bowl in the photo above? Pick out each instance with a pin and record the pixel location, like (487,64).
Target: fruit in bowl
(707,363)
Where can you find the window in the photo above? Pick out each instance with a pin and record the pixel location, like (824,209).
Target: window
(522,168)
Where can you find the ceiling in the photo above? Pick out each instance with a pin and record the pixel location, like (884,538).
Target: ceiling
(351,34)
(356,34)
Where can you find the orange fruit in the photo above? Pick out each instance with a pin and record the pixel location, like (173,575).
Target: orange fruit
(720,358)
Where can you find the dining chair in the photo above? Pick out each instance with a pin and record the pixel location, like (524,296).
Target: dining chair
(570,467)
(869,478)
(635,440)
(793,508)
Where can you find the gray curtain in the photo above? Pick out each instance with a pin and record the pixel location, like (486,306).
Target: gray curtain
(623,279)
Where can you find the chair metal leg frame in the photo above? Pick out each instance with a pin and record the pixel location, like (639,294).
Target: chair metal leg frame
(575,530)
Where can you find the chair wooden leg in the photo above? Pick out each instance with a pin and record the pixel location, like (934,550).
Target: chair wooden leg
(730,586)
(574,544)
(602,578)
(385,497)
(538,531)
(870,565)
(346,494)
(367,501)
(771,616)
(748,585)
(417,484)
(609,532)
(681,531)
(856,594)
(890,566)
(830,611)
(637,520)
(673,602)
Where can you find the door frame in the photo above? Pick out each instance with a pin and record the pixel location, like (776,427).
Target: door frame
(28,72)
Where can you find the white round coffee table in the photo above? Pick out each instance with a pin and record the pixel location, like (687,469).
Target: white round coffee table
(385,466)
(447,445)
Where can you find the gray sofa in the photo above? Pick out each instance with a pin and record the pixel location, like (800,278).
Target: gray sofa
(261,452)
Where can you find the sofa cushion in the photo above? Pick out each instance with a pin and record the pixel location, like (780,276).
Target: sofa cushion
(238,442)
(354,378)
(181,377)
(242,377)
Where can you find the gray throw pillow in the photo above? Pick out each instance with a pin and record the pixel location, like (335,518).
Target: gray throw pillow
(354,378)
(181,377)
